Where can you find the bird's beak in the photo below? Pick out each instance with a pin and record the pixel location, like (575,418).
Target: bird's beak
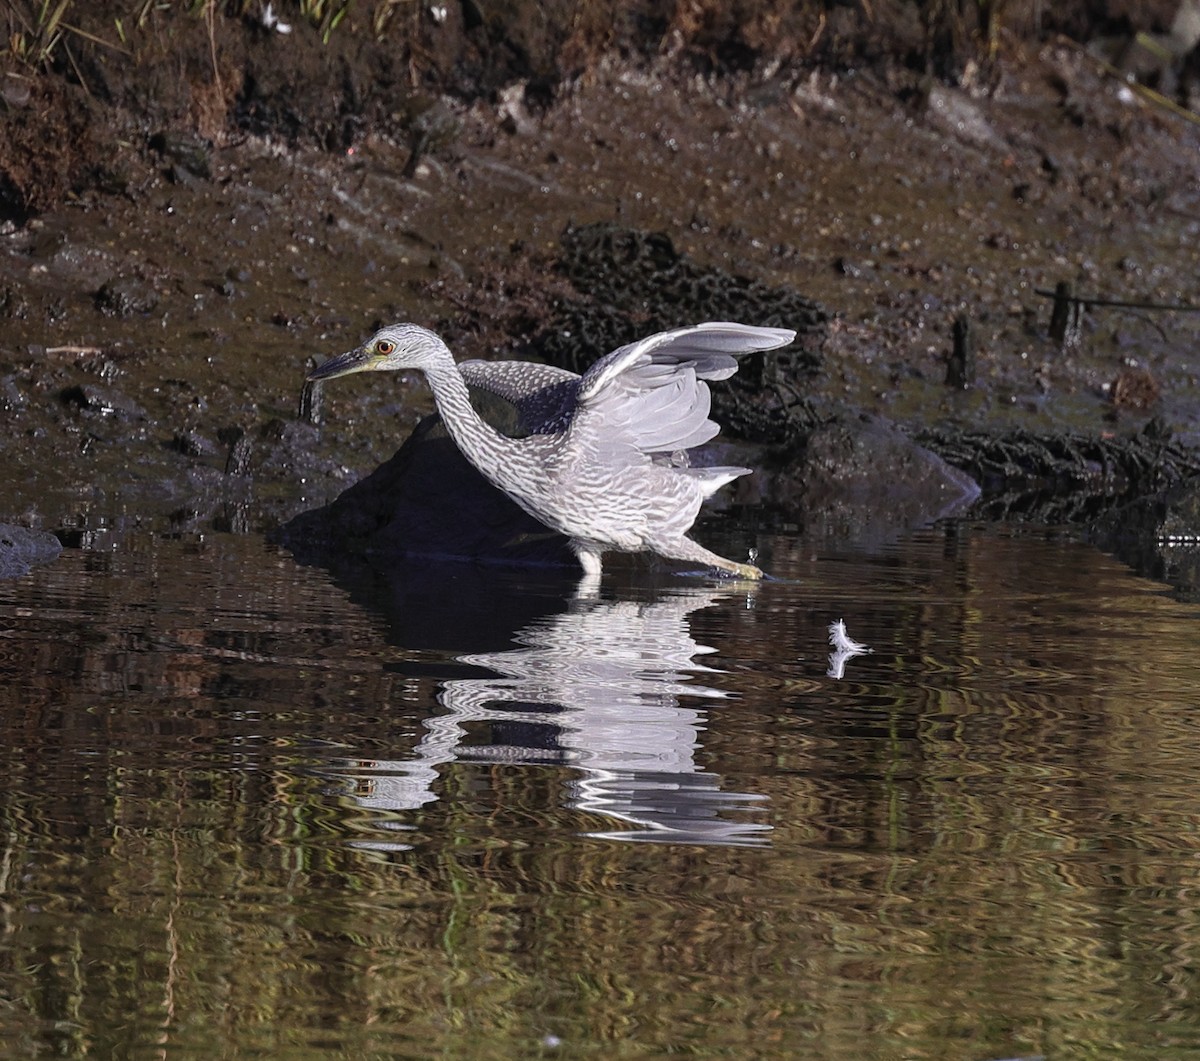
(357,360)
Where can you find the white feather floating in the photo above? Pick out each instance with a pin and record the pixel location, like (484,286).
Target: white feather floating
(844,648)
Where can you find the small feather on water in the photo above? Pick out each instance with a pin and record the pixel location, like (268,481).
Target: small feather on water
(844,648)
(841,641)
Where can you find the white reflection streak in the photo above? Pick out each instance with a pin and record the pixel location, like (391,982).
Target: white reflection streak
(844,648)
(605,679)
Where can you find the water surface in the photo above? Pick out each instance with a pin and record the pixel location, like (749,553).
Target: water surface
(251,809)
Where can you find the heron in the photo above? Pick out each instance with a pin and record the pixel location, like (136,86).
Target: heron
(602,458)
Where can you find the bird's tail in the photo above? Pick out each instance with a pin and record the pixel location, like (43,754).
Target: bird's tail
(712,479)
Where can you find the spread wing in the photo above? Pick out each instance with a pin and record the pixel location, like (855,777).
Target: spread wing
(651,396)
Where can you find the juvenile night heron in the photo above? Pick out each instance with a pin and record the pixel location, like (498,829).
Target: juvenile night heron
(604,459)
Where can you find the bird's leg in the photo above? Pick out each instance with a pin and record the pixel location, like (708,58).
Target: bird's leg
(589,559)
(686,549)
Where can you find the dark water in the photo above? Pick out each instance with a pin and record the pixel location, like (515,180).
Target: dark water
(255,810)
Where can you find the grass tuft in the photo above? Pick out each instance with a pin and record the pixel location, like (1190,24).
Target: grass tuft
(33,37)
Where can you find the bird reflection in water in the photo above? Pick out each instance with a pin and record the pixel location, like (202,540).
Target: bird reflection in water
(597,688)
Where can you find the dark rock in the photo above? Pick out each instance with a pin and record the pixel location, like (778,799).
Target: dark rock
(125,296)
(237,460)
(13,304)
(22,549)
(102,401)
(426,501)
(283,446)
(11,396)
(864,481)
(15,91)
(189,155)
(48,244)
(193,444)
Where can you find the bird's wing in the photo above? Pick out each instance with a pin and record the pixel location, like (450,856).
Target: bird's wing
(543,395)
(512,380)
(652,394)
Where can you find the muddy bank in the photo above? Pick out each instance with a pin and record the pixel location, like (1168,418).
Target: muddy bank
(77,76)
(158,323)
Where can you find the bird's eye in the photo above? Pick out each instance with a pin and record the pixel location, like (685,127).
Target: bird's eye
(385,346)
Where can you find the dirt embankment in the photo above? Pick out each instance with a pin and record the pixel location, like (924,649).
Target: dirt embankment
(107,71)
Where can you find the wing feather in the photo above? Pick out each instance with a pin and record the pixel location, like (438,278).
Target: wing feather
(651,396)
(543,395)
(512,380)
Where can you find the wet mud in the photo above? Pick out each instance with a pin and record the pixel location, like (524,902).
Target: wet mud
(164,292)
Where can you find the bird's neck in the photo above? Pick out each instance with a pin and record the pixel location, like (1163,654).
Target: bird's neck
(485,447)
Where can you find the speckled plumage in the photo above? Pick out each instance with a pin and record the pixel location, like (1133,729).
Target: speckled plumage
(603,457)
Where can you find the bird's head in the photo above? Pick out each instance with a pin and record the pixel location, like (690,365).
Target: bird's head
(398,346)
